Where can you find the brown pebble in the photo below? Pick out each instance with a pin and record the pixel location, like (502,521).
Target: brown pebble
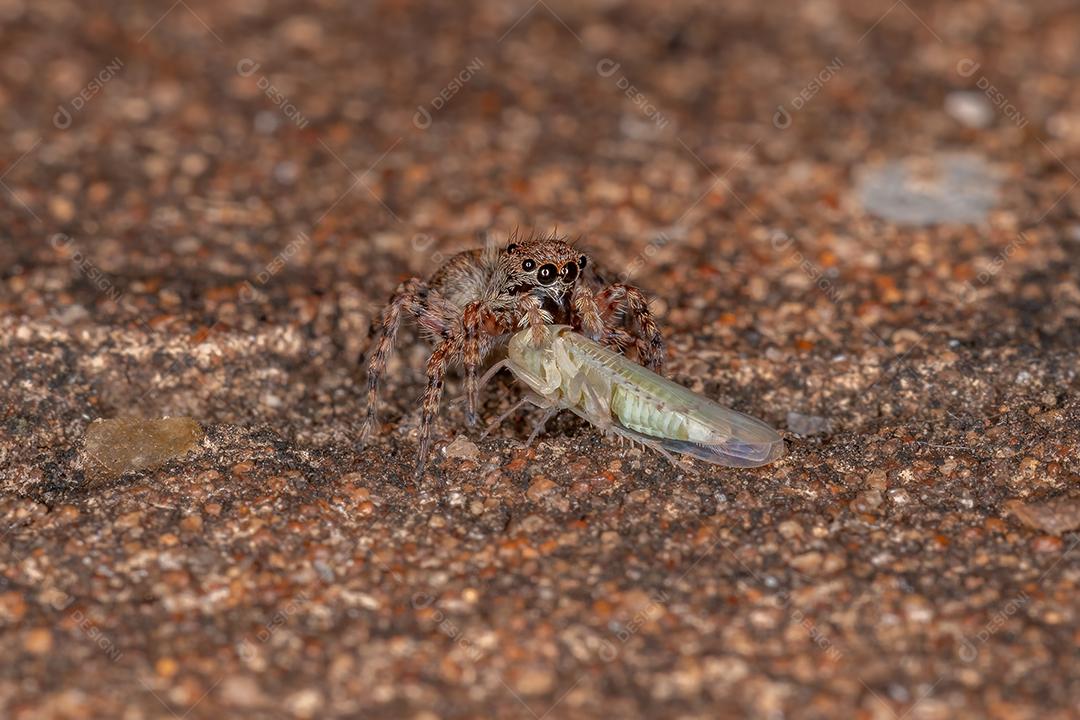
(462,448)
(38,641)
(540,487)
(1047,544)
(1056,516)
(115,447)
(192,523)
(12,606)
(166,667)
(241,691)
(807,562)
(304,703)
(61,208)
(534,681)
(867,501)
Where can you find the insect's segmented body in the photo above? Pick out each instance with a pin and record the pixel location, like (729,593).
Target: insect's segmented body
(569,371)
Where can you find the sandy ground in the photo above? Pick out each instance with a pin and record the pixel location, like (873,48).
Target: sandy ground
(857,221)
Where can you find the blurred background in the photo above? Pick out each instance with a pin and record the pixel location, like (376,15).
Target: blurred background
(856,220)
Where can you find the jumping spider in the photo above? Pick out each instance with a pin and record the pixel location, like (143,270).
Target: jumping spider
(479,297)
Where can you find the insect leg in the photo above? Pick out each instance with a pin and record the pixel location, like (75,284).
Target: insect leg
(513,409)
(635,437)
(491,372)
(409,297)
(597,408)
(436,374)
(541,423)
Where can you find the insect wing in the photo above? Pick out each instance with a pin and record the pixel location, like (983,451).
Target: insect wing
(733,438)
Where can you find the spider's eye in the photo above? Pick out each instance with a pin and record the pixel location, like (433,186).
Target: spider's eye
(546,274)
(569,272)
(528,265)
(511,247)
(581,262)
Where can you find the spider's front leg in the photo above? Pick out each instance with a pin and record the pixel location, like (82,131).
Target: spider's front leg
(620,302)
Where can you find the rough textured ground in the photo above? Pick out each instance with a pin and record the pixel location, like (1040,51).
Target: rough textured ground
(202,209)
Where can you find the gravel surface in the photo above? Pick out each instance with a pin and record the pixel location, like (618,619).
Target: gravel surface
(857,221)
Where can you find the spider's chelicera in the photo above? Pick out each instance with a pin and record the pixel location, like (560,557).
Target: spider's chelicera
(479,297)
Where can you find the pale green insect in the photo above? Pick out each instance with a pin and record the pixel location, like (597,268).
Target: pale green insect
(568,371)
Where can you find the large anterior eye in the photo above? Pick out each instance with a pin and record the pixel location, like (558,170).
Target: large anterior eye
(569,272)
(546,274)
(528,265)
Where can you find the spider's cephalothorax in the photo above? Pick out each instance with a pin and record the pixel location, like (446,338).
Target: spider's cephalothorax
(471,304)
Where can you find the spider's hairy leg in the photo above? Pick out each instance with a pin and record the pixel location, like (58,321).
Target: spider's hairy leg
(409,297)
(436,374)
(619,299)
(476,318)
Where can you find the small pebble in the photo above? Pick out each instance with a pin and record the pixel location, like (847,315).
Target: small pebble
(955,188)
(38,641)
(115,447)
(1056,516)
(535,681)
(463,448)
(61,208)
(241,691)
(539,488)
(305,703)
(969,108)
(867,501)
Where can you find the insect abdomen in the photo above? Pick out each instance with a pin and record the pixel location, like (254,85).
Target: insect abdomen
(639,413)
